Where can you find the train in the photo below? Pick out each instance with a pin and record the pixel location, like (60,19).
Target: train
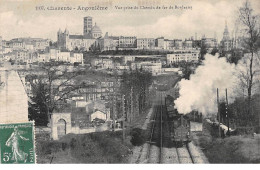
(179,124)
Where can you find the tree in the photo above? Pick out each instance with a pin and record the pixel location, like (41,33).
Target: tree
(203,51)
(187,68)
(251,42)
(37,108)
(235,56)
(52,44)
(135,88)
(52,87)
(214,51)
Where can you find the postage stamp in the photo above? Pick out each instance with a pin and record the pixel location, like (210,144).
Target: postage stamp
(17,145)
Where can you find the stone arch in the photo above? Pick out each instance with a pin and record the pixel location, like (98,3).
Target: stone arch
(61,127)
(60,124)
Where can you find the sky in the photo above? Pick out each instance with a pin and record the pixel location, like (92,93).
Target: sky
(19,18)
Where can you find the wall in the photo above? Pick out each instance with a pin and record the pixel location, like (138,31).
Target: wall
(13,97)
(69,129)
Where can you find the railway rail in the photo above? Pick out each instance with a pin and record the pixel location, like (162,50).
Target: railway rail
(160,148)
(155,140)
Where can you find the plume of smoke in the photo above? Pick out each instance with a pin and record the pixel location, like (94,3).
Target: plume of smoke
(199,93)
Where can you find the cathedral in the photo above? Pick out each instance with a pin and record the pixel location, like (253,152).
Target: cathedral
(91,33)
(226,42)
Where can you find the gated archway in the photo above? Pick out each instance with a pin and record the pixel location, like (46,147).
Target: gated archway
(61,128)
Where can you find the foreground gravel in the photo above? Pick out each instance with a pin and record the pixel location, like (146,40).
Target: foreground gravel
(154,154)
(197,155)
(170,156)
(184,155)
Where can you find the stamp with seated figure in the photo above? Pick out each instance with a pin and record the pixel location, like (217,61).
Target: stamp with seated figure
(17,145)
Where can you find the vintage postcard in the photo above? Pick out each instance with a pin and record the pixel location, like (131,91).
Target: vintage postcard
(129,81)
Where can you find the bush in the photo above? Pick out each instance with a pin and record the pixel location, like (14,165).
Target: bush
(99,147)
(48,147)
(73,143)
(137,137)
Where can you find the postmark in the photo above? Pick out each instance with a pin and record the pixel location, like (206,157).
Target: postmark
(17,143)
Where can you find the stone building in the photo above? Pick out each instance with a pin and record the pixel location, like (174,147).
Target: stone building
(21,56)
(107,42)
(16,44)
(28,43)
(169,44)
(187,44)
(79,120)
(96,32)
(189,56)
(178,44)
(68,41)
(102,63)
(127,42)
(159,43)
(145,43)
(72,42)
(209,42)
(226,42)
(87,25)
(150,66)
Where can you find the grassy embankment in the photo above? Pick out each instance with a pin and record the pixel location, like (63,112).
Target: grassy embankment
(99,147)
(234,149)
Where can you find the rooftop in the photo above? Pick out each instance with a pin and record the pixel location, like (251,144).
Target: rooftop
(80,36)
(96,29)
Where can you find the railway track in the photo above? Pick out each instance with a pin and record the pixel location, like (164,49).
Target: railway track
(154,150)
(172,153)
(160,148)
(184,155)
(151,150)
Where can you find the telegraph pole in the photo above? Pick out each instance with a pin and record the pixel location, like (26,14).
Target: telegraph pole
(218,115)
(114,104)
(111,105)
(114,98)
(113,108)
(227,112)
(132,104)
(124,116)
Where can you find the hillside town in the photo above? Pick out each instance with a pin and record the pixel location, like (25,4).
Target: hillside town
(73,49)
(96,82)
(28,55)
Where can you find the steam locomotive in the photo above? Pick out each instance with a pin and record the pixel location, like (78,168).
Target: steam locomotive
(179,123)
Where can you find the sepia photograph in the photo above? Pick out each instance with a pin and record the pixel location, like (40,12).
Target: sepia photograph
(129,82)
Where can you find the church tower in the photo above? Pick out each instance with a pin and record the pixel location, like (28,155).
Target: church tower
(226,33)
(226,42)
(87,25)
(59,37)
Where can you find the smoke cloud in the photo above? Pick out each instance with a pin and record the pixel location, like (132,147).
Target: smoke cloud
(199,93)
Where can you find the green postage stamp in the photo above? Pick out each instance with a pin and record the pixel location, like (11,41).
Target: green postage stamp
(17,143)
